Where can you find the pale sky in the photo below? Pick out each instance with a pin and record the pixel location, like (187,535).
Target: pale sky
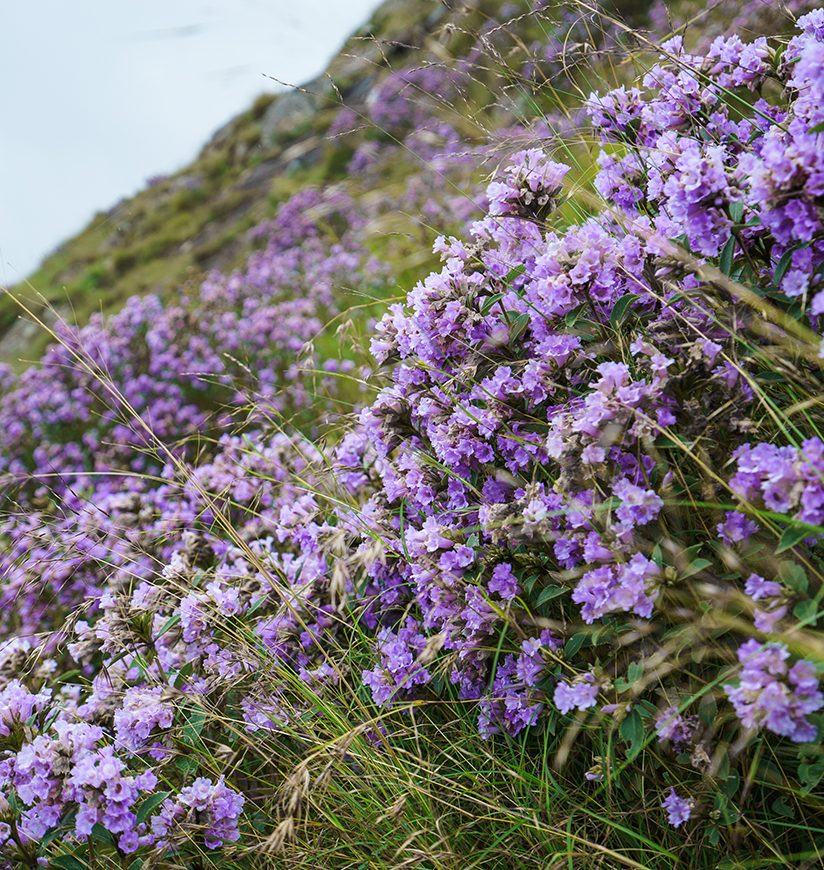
(98,95)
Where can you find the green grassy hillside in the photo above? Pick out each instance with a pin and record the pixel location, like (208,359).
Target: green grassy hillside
(182,225)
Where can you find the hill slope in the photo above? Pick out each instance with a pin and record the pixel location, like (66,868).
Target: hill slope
(170,234)
(472,514)
(180,226)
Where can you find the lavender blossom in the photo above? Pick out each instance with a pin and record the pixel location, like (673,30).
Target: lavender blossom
(578,695)
(772,695)
(679,809)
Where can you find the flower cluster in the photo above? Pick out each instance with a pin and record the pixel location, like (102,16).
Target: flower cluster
(141,711)
(755,180)
(773,695)
(18,705)
(67,766)
(679,809)
(520,517)
(580,695)
(531,186)
(400,668)
(204,809)
(679,730)
(786,480)
(516,701)
(118,394)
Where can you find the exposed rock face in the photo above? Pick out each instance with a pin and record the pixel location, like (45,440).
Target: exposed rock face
(18,340)
(290,111)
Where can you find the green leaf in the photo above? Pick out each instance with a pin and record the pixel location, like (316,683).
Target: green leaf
(691,552)
(183,674)
(731,784)
(194,720)
(573,646)
(783,265)
(646,709)
(708,710)
(793,576)
(674,440)
(550,592)
(257,604)
(529,583)
(514,273)
(695,566)
(811,774)
(728,811)
(100,833)
(632,730)
(782,808)
(634,672)
(819,128)
(170,622)
(187,765)
(619,310)
(519,325)
(490,301)
(790,537)
(725,262)
(737,212)
(723,772)
(52,835)
(572,316)
(806,611)
(149,804)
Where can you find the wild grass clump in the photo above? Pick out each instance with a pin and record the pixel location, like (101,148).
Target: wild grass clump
(542,589)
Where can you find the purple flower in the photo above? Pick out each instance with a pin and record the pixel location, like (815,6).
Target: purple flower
(141,712)
(534,388)
(617,588)
(736,528)
(217,811)
(531,187)
(18,704)
(671,725)
(774,696)
(400,670)
(679,809)
(786,479)
(578,695)
(514,703)
(638,506)
(504,582)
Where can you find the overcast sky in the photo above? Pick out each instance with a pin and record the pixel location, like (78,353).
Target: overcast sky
(98,95)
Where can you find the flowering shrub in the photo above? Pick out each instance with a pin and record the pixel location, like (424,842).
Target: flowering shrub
(582,516)
(155,374)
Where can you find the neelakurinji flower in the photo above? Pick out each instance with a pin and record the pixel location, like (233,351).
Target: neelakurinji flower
(770,694)
(534,458)
(581,694)
(679,809)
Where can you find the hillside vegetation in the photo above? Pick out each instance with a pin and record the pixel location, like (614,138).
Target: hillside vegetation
(183,225)
(432,474)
